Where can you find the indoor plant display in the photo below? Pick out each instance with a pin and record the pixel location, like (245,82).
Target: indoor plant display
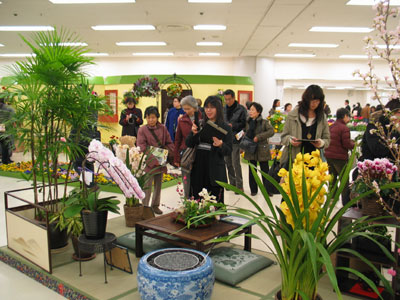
(197,208)
(136,162)
(174,90)
(300,229)
(51,97)
(372,175)
(146,87)
(87,201)
(277,121)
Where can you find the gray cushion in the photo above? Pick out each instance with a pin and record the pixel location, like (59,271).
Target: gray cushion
(149,244)
(235,265)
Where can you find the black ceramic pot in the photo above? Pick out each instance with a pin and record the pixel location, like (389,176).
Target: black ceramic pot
(94,224)
(58,238)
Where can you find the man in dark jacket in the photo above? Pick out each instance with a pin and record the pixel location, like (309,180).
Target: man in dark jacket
(337,152)
(235,115)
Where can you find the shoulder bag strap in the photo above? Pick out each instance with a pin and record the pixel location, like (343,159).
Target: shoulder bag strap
(156,138)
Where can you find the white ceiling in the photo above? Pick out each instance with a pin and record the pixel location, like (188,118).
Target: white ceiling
(254,27)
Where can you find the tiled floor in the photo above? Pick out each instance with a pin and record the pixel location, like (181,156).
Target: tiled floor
(14,285)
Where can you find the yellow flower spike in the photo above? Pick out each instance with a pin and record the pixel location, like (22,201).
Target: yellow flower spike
(282,172)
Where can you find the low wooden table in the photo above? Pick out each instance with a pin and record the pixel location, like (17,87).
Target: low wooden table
(189,238)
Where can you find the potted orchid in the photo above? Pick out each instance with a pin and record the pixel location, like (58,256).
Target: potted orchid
(301,228)
(372,175)
(94,209)
(197,208)
(136,162)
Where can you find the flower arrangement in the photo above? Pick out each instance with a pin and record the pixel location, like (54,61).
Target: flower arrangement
(113,140)
(276,153)
(331,121)
(357,124)
(197,208)
(130,94)
(372,175)
(300,230)
(174,90)
(277,121)
(146,87)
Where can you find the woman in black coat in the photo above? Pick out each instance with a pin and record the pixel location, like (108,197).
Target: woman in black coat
(209,164)
(131,118)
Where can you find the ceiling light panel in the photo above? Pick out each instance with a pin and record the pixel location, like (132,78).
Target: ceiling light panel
(153,54)
(356,56)
(209,54)
(371,2)
(390,46)
(307,45)
(67,44)
(340,29)
(95,54)
(141,43)
(91,1)
(26,28)
(123,27)
(294,55)
(1,45)
(17,55)
(209,27)
(210,1)
(209,44)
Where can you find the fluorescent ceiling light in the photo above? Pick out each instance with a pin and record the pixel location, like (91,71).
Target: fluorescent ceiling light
(209,54)
(293,55)
(356,56)
(209,27)
(123,27)
(141,43)
(210,1)
(341,88)
(1,45)
(305,45)
(90,1)
(95,54)
(371,2)
(26,28)
(68,44)
(17,55)
(390,46)
(209,44)
(153,54)
(340,29)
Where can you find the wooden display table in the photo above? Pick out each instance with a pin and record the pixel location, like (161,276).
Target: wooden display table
(343,258)
(188,238)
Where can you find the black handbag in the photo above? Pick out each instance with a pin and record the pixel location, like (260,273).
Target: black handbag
(273,172)
(248,145)
(187,159)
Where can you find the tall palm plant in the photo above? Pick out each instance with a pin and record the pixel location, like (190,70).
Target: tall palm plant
(51,96)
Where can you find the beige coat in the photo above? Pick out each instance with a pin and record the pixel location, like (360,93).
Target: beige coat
(293,128)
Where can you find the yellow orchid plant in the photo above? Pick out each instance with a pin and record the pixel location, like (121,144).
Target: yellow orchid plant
(303,229)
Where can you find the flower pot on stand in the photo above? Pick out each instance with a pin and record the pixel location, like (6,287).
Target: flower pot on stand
(133,214)
(58,238)
(80,255)
(94,224)
(371,207)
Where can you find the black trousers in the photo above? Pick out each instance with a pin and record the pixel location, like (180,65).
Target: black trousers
(252,182)
(335,167)
(5,150)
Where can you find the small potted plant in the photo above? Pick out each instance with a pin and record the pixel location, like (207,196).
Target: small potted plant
(113,141)
(372,175)
(197,208)
(381,235)
(136,162)
(93,209)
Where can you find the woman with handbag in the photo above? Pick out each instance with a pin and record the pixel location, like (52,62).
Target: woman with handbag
(154,134)
(192,115)
(209,163)
(258,130)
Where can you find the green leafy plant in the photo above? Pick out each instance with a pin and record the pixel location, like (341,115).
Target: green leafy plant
(277,121)
(51,97)
(300,230)
(88,199)
(198,209)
